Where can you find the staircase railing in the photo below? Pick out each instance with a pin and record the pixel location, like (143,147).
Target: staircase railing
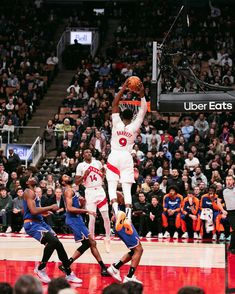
(35,153)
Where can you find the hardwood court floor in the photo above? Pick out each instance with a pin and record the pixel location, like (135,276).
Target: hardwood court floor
(165,265)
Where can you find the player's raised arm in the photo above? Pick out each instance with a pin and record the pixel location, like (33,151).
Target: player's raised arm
(143,108)
(118,97)
(29,198)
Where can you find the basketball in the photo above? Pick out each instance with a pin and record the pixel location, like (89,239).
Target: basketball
(133,83)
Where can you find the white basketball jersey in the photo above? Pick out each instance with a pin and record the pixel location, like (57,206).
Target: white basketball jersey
(123,137)
(95,177)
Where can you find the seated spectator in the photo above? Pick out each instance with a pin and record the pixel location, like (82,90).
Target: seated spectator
(196,175)
(155,218)
(5,209)
(187,129)
(98,141)
(5,288)
(191,163)
(146,186)
(3,175)
(171,212)
(141,214)
(210,214)
(190,223)
(156,192)
(202,126)
(17,212)
(178,162)
(58,284)
(27,284)
(175,180)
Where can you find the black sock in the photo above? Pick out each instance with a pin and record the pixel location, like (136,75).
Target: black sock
(118,264)
(41,266)
(102,265)
(131,272)
(67,270)
(71,260)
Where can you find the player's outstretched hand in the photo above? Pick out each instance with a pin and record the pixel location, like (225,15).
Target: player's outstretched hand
(54,207)
(140,90)
(91,213)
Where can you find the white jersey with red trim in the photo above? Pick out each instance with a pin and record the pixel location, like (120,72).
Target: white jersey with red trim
(123,137)
(95,177)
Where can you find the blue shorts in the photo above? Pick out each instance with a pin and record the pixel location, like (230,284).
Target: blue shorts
(37,229)
(131,241)
(77,225)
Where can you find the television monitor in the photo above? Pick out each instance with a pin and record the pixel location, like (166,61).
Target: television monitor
(82,37)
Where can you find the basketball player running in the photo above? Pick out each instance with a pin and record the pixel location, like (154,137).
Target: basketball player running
(75,222)
(134,255)
(35,227)
(89,172)
(120,163)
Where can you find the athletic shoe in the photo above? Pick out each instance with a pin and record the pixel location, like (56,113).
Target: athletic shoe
(128,227)
(72,278)
(22,231)
(104,272)
(166,235)
(115,273)
(195,235)
(176,235)
(160,236)
(228,238)
(149,235)
(42,275)
(132,279)
(214,237)
(222,237)
(185,236)
(199,236)
(8,230)
(121,216)
(107,244)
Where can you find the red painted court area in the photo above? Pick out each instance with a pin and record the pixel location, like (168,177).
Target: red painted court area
(157,279)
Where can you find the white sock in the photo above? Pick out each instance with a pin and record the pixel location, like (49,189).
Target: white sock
(115,208)
(105,216)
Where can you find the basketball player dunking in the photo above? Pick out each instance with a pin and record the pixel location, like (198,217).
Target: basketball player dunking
(90,173)
(120,167)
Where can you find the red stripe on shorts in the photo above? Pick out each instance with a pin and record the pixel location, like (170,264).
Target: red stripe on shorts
(113,169)
(102,203)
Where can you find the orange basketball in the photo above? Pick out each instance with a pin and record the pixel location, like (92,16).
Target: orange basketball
(133,83)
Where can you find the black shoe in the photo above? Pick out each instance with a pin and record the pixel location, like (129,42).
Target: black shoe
(61,267)
(231,250)
(104,273)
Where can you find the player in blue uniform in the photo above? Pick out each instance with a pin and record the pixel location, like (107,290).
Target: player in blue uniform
(75,222)
(134,255)
(35,226)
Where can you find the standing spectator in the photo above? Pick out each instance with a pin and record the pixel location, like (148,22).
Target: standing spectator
(13,161)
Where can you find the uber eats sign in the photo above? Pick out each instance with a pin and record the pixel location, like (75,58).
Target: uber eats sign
(197,102)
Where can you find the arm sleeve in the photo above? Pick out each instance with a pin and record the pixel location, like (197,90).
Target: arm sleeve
(140,115)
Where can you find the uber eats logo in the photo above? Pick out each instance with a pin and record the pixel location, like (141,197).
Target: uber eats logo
(210,105)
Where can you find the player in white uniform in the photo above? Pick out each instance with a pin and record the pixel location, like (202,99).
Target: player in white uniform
(120,167)
(90,174)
